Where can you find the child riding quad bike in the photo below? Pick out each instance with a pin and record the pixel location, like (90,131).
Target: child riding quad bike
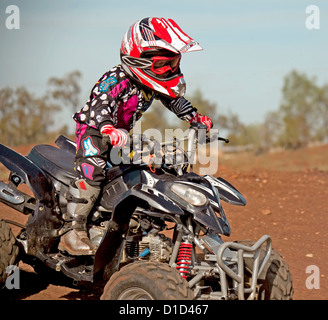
(157,226)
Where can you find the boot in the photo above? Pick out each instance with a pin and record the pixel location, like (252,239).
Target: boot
(81,198)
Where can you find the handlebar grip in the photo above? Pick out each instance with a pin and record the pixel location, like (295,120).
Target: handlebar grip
(198,125)
(214,137)
(224,139)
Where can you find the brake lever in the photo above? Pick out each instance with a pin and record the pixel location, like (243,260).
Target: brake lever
(224,139)
(214,137)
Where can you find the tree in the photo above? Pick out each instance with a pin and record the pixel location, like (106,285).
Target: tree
(25,118)
(228,121)
(299,110)
(157,117)
(203,105)
(271,130)
(66,90)
(322,130)
(160,118)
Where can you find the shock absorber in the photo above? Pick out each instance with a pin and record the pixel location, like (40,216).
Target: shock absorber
(184,259)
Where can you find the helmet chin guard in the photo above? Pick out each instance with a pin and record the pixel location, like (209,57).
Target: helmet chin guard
(151,53)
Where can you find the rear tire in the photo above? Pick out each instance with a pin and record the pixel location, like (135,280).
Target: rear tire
(147,281)
(8,251)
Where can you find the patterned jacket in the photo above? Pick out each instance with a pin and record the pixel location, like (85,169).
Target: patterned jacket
(116,99)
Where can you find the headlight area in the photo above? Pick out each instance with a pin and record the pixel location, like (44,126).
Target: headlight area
(189,194)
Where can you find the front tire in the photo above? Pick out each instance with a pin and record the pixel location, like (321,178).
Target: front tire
(8,251)
(147,281)
(276,281)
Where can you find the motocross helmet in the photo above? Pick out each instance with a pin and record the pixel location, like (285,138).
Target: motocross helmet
(151,53)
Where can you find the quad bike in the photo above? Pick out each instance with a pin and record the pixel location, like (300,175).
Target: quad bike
(157,226)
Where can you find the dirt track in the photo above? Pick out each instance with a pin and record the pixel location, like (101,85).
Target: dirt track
(287,197)
(292,209)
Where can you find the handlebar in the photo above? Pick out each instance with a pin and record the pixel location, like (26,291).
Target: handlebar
(144,146)
(197,131)
(202,127)
(147,144)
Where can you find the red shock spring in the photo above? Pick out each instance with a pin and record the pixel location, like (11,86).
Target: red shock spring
(184,259)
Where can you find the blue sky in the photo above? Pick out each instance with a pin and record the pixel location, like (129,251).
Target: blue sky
(249,46)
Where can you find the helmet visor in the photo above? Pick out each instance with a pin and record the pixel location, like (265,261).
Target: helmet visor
(162,64)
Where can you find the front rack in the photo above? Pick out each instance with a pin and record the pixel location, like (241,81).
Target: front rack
(229,264)
(242,252)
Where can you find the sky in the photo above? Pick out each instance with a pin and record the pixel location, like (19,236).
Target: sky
(249,46)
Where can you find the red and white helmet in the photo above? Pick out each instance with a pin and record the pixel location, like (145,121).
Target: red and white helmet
(151,53)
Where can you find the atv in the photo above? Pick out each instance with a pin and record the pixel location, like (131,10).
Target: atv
(157,225)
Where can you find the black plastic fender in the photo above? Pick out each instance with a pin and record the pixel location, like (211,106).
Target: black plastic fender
(227,191)
(42,225)
(109,252)
(66,144)
(156,199)
(31,174)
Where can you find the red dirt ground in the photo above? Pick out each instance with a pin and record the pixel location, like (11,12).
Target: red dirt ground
(287,197)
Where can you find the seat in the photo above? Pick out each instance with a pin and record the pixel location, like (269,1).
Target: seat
(55,162)
(59,163)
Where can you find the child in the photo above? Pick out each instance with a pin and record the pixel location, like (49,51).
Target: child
(150,69)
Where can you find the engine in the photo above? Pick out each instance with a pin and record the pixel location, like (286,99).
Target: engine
(155,248)
(144,241)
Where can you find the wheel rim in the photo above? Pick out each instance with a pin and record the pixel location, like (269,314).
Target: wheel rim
(135,293)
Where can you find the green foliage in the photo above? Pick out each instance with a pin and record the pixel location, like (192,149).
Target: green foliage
(227,121)
(25,118)
(203,105)
(158,117)
(298,110)
(66,90)
(301,118)
(303,114)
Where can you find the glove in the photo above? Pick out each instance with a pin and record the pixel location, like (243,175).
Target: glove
(117,137)
(202,119)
